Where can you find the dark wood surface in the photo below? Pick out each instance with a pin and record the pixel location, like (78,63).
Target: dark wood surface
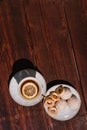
(52,34)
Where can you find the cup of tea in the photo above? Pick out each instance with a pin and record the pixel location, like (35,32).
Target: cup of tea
(27,86)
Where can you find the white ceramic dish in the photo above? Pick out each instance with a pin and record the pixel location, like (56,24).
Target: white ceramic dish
(68,113)
(19,78)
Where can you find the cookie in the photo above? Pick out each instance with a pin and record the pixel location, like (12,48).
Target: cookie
(53,111)
(49,102)
(67,93)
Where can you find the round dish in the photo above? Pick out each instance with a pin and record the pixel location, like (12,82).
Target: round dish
(18,94)
(68,113)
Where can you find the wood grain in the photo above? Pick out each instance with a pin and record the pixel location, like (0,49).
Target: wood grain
(15,44)
(48,33)
(76,13)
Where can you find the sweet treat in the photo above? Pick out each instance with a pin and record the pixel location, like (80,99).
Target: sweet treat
(52,111)
(60,90)
(73,102)
(55,97)
(49,102)
(67,93)
(61,105)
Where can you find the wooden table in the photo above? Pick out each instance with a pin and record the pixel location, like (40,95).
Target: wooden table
(52,34)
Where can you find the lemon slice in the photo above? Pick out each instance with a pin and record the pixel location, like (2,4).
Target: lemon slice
(29,90)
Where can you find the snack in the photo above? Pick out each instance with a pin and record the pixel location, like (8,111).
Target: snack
(66,102)
(61,105)
(55,97)
(67,93)
(49,102)
(52,111)
(73,102)
(60,90)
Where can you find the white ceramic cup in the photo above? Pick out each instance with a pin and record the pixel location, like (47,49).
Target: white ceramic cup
(27,86)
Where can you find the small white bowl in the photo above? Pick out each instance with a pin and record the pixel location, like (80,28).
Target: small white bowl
(68,113)
(19,78)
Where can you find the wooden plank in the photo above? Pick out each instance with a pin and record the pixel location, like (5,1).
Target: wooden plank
(4,125)
(15,43)
(47,34)
(18,122)
(13,22)
(76,13)
(52,49)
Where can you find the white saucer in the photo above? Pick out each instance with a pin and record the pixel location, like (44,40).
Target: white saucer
(67,113)
(15,83)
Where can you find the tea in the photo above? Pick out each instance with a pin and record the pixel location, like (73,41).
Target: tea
(29,89)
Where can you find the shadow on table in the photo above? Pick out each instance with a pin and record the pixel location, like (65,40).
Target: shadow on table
(20,65)
(57,82)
